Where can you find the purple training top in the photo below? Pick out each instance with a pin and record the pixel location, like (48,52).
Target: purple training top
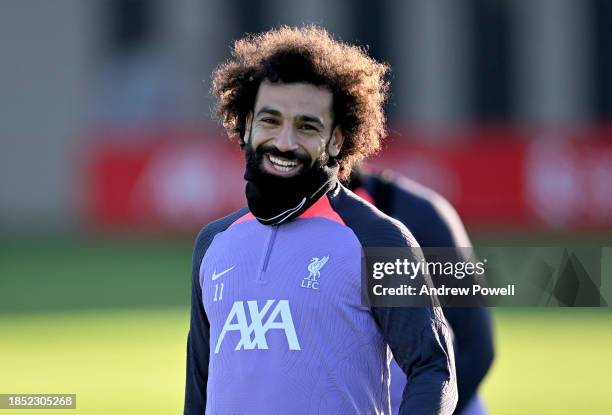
(278,327)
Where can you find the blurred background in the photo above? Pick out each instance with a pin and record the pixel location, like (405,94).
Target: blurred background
(111,163)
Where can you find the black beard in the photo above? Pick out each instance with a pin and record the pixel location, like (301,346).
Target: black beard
(274,199)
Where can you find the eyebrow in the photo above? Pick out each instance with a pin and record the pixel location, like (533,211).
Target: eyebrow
(268,110)
(312,119)
(304,118)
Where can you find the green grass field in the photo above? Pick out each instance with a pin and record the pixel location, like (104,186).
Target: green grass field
(108,321)
(117,362)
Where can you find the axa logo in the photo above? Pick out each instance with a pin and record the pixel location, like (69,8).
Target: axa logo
(262,320)
(314,269)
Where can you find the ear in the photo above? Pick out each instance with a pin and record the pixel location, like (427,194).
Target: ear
(247,127)
(335,143)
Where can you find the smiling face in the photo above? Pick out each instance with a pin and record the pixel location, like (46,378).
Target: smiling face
(292,127)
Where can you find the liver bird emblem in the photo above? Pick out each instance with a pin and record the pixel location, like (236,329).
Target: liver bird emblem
(315,266)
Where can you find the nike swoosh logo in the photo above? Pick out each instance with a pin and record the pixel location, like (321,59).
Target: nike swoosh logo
(216,276)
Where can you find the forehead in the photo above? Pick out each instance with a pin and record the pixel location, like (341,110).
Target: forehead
(294,99)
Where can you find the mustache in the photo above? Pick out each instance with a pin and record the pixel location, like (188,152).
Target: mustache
(273,151)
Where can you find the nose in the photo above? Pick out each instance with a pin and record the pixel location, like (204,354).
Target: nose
(285,140)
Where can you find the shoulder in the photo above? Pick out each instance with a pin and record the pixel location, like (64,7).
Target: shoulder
(372,227)
(432,218)
(428,199)
(208,232)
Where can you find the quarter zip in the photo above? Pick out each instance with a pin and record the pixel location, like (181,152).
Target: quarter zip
(261,276)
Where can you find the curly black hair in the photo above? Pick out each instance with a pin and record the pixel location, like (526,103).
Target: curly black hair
(307,54)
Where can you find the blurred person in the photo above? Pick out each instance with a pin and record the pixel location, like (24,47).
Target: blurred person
(433,222)
(277,323)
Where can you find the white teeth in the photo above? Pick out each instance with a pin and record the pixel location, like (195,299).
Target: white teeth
(282,168)
(283,165)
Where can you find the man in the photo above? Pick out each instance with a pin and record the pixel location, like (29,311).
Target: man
(434,223)
(277,323)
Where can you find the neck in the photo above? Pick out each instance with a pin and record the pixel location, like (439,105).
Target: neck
(294,211)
